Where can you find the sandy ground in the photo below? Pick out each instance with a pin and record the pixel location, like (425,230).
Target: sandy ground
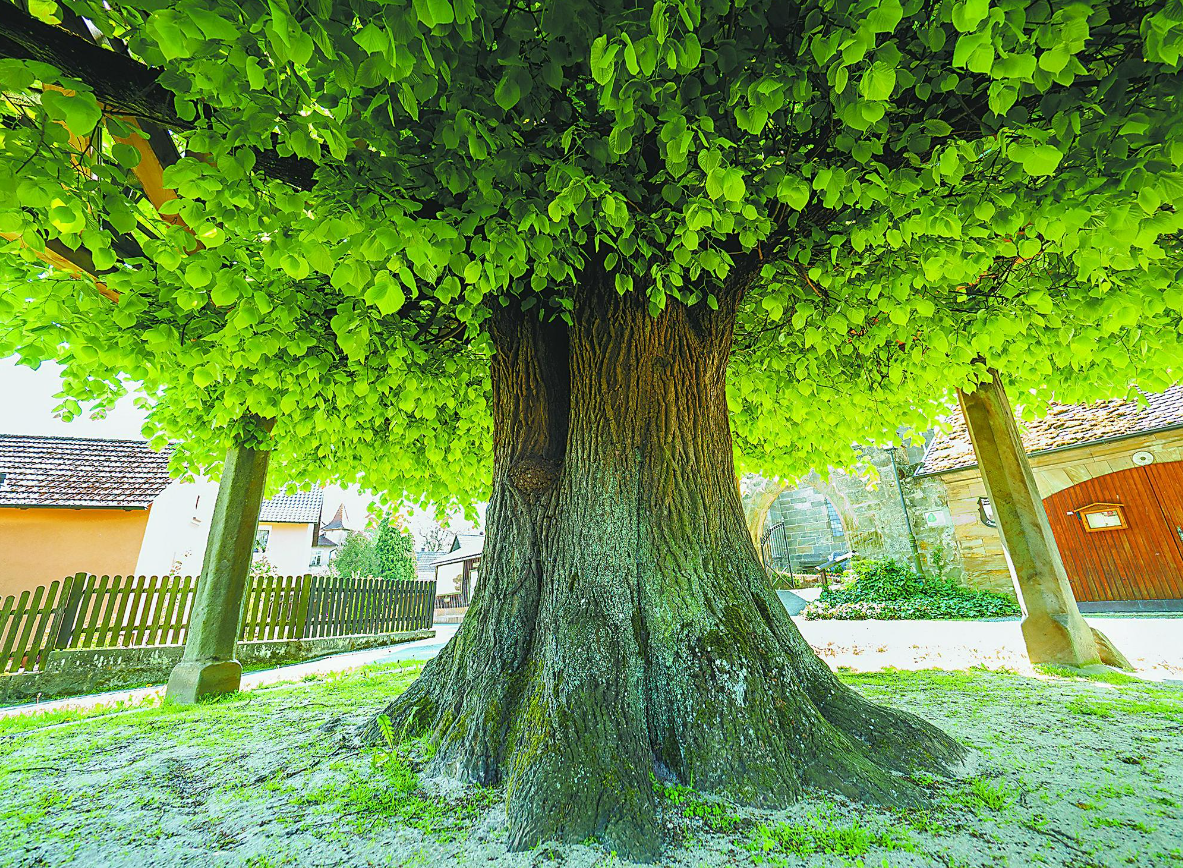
(1066,772)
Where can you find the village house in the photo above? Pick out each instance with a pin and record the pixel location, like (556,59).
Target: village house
(328,542)
(72,504)
(1111,478)
(109,507)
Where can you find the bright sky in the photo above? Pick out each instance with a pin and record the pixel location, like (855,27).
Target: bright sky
(28,402)
(27,407)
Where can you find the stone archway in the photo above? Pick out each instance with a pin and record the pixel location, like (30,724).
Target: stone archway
(867,501)
(760,495)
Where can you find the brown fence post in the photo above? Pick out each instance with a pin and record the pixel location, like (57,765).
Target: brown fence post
(62,633)
(302,602)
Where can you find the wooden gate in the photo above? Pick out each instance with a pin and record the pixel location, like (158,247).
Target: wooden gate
(1137,552)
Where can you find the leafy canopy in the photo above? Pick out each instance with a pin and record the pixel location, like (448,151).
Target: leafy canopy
(909,191)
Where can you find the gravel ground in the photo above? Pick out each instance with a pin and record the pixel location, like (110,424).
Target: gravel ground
(1067,772)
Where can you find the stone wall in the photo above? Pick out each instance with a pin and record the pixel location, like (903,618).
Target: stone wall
(951,538)
(867,501)
(813,528)
(79,671)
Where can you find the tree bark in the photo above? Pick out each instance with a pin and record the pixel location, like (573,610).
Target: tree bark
(623,626)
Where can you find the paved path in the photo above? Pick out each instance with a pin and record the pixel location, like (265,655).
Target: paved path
(424,649)
(1154,645)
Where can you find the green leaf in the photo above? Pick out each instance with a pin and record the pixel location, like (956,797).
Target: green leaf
(793,191)
(169,34)
(734,188)
(441,11)
(296,267)
(15,76)
(1020,66)
(80,112)
(125,155)
(197,275)
(877,82)
(1038,160)
(507,93)
(1055,60)
(1149,199)
(386,293)
(373,39)
(620,140)
(714,182)
(884,17)
(968,14)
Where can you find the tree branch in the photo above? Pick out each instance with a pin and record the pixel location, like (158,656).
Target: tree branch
(122,85)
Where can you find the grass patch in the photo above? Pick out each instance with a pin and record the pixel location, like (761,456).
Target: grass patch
(824,832)
(712,815)
(392,793)
(985,795)
(1089,707)
(1109,676)
(26,721)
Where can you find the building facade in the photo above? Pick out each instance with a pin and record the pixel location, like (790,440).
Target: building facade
(1111,478)
(1110,475)
(72,504)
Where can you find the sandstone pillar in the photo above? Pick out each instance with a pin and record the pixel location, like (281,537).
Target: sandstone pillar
(1053,628)
(208,667)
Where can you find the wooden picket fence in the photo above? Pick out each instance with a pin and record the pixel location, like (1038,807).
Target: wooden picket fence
(86,611)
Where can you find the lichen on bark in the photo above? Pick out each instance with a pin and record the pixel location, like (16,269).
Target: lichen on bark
(623,626)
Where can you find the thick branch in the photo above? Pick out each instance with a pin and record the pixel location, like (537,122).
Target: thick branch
(74,261)
(122,85)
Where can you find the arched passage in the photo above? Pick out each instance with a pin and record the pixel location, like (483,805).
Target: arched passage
(1120,535)
(802,528)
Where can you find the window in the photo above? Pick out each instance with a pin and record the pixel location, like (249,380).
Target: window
(315,562)
(1102,516)
(261,537)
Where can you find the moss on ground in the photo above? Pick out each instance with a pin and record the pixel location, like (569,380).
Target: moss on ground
(1071,771)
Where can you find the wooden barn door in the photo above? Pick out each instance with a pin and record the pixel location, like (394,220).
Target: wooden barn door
(1142,561)
(1167,480)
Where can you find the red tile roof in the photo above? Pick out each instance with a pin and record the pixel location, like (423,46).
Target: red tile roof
(80,472)
(1064,425)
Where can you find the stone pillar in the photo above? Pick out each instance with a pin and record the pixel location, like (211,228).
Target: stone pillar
(208,667)
(1053,628)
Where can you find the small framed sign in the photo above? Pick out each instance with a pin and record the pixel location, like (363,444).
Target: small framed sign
(1103,516)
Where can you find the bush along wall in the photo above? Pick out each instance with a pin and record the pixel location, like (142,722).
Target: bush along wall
(887,590)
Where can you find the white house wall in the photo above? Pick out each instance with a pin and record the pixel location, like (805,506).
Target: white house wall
(289,547)
(178,524)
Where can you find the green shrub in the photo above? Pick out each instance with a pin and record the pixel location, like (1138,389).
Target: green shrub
(887,590)
(394,549)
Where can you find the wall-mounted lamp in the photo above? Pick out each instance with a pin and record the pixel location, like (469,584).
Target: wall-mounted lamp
(986,512)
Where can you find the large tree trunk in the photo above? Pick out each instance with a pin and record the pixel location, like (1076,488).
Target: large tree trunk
(623,625)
